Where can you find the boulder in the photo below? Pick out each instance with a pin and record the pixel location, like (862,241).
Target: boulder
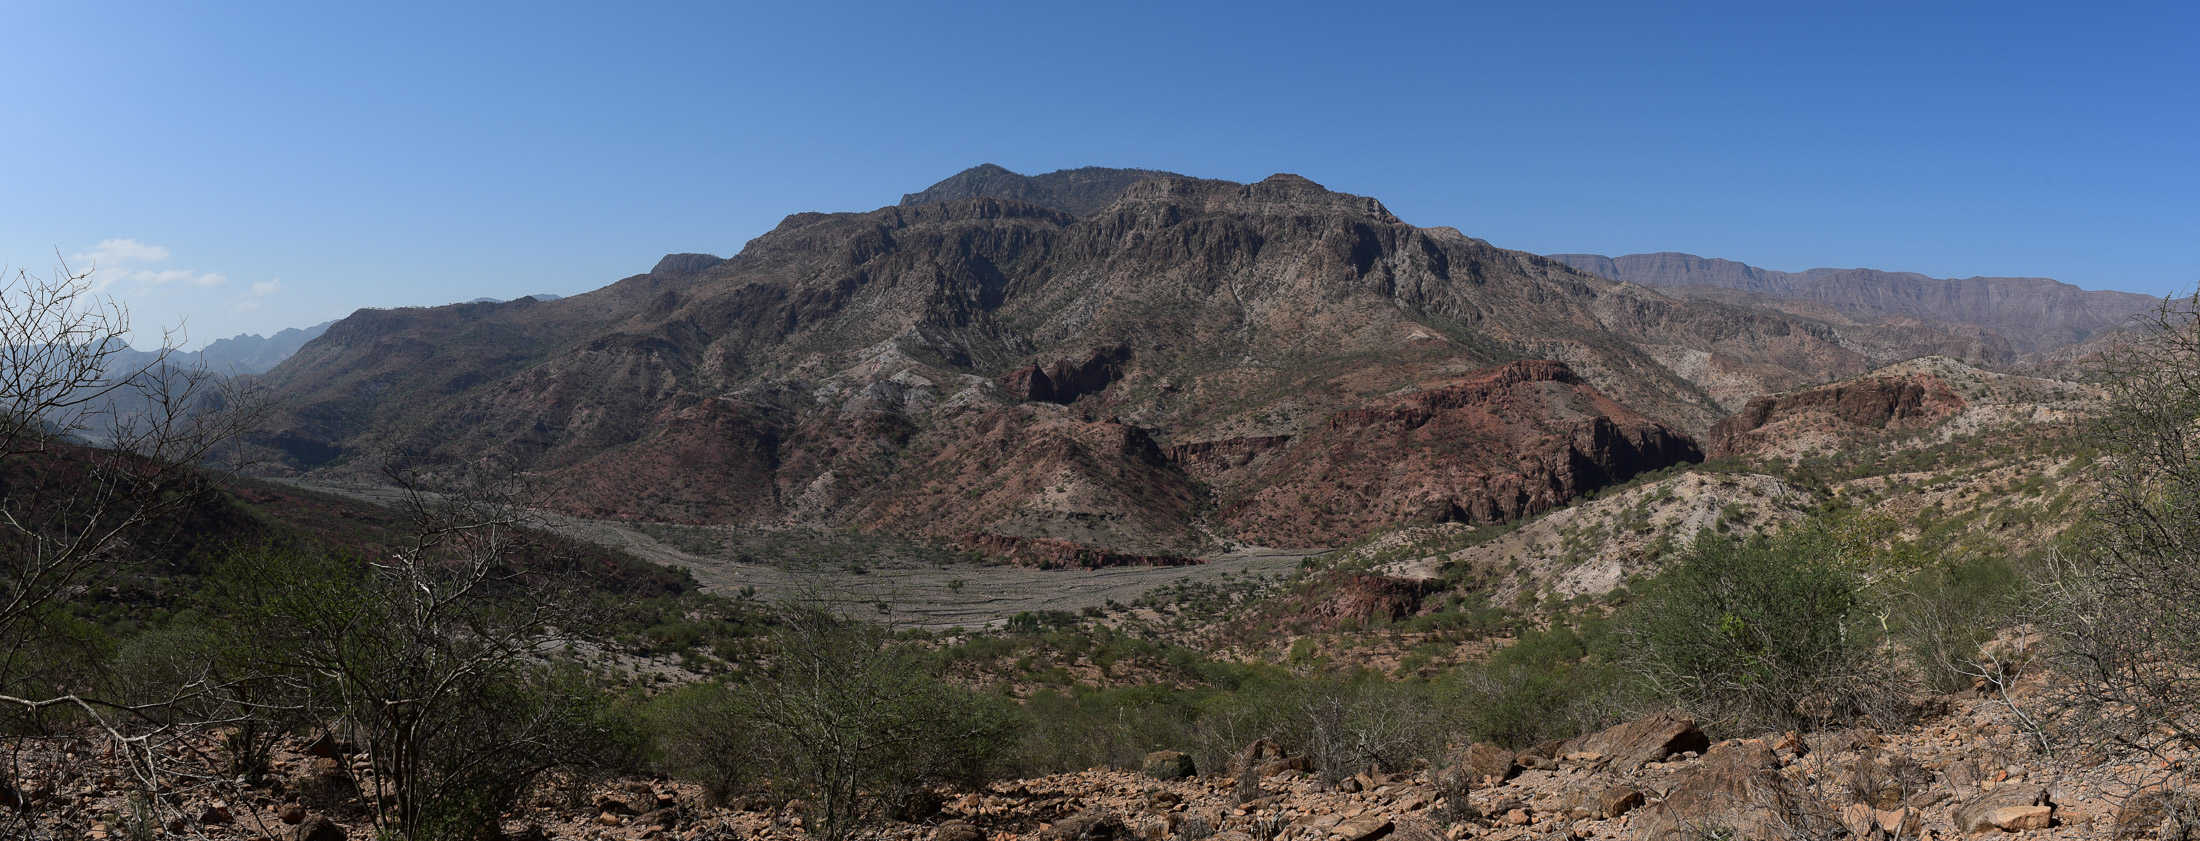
(1483,762)
(957,831)
(1650,739)
(1168,765)
(1411,828)
(2164,814)
(1090,825)
(616,804)
(2006,809)
(1255,757)
(1886,782)
(327,785)
(1734,790)
(1617,801)
(318,828)
(1904,822)
(1363,828)
(1746,753)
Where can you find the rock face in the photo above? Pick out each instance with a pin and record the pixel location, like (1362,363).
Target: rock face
(1910,396)
(1504,443)
(1868,403)
(2033,314)
(1077,368)
(1358,598)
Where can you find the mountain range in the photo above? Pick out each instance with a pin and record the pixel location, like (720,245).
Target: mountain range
(2033,314)
(1099,366)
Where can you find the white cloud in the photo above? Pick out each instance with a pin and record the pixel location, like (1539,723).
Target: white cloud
(119,250)
(260,289)
(164,277)
(118,259)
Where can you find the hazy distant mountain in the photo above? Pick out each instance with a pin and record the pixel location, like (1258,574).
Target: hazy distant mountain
(245,353)
(2035,314)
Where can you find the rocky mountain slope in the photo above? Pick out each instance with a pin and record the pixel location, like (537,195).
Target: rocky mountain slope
(1938,394)
(2032,314)
(1089,366)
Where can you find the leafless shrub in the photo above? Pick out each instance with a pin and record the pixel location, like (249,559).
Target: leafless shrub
(2124,608)
(72,513)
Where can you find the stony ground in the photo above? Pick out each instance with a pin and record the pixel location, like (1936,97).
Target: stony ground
(1967,768)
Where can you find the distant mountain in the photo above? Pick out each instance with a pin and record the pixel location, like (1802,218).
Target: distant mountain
(1085,367)
(244,353)
(2034,314)
(253,354)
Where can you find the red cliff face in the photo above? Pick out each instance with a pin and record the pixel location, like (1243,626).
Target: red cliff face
(1509,441)
(1859,406)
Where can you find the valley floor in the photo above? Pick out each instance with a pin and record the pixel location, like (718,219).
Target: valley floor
(919,593)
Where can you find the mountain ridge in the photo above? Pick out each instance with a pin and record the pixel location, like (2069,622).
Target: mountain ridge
(2035,314)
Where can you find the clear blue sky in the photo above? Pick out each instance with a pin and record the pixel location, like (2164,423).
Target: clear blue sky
(252,167)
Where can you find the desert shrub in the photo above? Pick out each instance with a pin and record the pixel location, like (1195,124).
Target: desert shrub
(442,661)
(1549,684)
(1349,725)
(856,725)
(1088,727)
(700,732)
(1763,633)
(1943,613)
(2124,604)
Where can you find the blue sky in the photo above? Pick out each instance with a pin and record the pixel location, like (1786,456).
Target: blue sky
(250,167)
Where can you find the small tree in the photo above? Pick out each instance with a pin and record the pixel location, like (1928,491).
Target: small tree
(439,658)
(2125,604)
(72,513)
(859,726)
(1761,633)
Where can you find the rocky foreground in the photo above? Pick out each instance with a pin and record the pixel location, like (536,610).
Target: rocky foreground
(1968,768)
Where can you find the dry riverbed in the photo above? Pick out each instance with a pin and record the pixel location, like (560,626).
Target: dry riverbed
(920,590)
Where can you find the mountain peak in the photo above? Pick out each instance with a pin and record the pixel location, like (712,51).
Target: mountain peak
(1078,192)
(686,263)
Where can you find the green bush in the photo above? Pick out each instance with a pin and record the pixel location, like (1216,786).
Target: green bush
(844,718)
(1761,633)
(1549,684)
(1946,611)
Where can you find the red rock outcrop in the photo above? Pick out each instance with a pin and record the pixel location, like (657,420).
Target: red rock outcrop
(1068,379)
(1862,405)
(1506,442)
